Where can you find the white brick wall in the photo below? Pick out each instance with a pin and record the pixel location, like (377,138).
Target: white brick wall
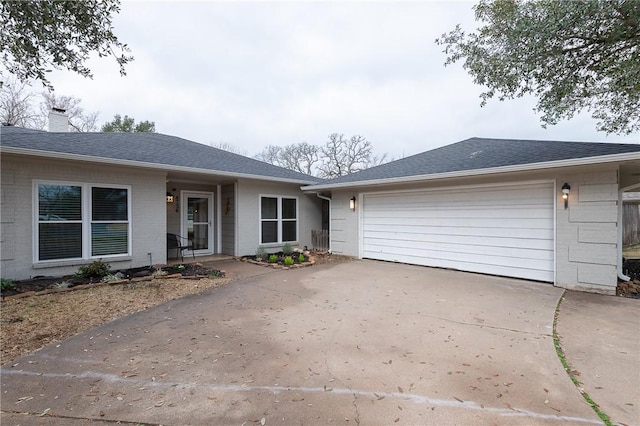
(344,225)
(586,232)
(148,218)
(309,214)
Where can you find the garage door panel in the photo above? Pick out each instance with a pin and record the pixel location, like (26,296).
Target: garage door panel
(498,212)
(480,197)
(508,271)
(465,222)
(498,230)
(398,253)
(463,252)
(394,229)
(434,241)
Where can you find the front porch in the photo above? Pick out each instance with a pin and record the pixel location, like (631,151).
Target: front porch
(201,211)
(200,259)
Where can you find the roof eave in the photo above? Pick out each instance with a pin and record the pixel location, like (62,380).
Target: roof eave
(142,164)
(477,172)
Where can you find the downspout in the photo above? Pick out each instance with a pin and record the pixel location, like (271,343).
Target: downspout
(621,275)
(322,197)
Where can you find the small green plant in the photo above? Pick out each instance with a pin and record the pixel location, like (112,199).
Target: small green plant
(63,284)
(96,269)
(301,258)
(6,284)
(286,249)
(180,267)
(273,258)
(216,274)
(288,260)
(260,253)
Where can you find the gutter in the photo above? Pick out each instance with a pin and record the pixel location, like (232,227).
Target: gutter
(142,164)
(476,172)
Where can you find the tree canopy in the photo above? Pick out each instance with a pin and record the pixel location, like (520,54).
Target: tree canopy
(38,36)
(128,125)
(571,55)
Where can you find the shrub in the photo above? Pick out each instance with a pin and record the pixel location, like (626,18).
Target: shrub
(6,284)
(301,258)
(286,249)
(273,258)
(260,253)
(96,269)
(288,261)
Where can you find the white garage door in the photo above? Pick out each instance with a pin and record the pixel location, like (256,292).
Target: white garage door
(505,230)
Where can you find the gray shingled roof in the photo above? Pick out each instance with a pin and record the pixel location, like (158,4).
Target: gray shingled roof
(151,148)
(481,153)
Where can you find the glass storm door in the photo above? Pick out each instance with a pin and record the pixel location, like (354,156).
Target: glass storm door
(197,219)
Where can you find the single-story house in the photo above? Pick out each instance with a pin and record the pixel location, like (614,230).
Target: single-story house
(70,198)
(538,210)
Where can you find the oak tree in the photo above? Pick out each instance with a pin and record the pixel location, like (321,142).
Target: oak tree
(38,36)
(572,55)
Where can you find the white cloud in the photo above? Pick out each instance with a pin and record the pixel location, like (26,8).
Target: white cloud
(253,74)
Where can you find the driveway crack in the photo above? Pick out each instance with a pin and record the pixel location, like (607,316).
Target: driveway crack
(493,327)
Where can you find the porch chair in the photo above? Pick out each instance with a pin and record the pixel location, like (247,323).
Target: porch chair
(179,244)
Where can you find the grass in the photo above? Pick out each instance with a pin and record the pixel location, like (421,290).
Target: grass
(30,323)
(631,252)
(565,364)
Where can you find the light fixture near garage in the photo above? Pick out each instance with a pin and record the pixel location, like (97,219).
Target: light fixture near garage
(566,188)
(352,203)
(170,198)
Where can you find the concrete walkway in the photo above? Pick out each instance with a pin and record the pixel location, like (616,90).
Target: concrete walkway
(600,336)
(357,343)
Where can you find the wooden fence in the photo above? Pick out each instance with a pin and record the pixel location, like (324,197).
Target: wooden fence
(631,224)
(320,239)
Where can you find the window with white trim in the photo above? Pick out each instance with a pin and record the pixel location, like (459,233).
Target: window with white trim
(81,221)
(278,219)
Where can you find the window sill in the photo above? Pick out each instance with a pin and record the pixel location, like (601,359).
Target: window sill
(79,262)
(291,243)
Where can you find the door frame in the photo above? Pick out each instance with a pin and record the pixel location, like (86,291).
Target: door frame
(184,204)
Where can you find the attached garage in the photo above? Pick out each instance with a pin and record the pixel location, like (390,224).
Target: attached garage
(502,230)
(492,206)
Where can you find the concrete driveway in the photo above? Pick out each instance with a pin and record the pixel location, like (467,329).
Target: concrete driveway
(357,343)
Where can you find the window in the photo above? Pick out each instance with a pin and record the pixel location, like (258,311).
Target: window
(59,221)
(81,221)
(109,221)
(278,219)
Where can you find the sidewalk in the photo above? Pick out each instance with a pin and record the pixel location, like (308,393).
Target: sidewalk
(600,337)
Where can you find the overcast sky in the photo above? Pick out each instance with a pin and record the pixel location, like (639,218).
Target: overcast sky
(254,74)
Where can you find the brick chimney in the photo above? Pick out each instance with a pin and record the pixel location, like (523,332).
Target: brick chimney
(58,120)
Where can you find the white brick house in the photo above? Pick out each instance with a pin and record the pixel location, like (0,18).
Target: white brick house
(493,206)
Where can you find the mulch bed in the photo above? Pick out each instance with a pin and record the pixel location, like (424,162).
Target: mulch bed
(48,284)
(311,258)
(631,268)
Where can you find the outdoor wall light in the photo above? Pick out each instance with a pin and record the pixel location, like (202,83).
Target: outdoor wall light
(352,203)
(170,197)
(566,188)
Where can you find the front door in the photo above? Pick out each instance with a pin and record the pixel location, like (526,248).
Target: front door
(197,220)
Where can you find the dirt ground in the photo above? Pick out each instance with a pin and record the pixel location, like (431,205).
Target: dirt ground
(30,323)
